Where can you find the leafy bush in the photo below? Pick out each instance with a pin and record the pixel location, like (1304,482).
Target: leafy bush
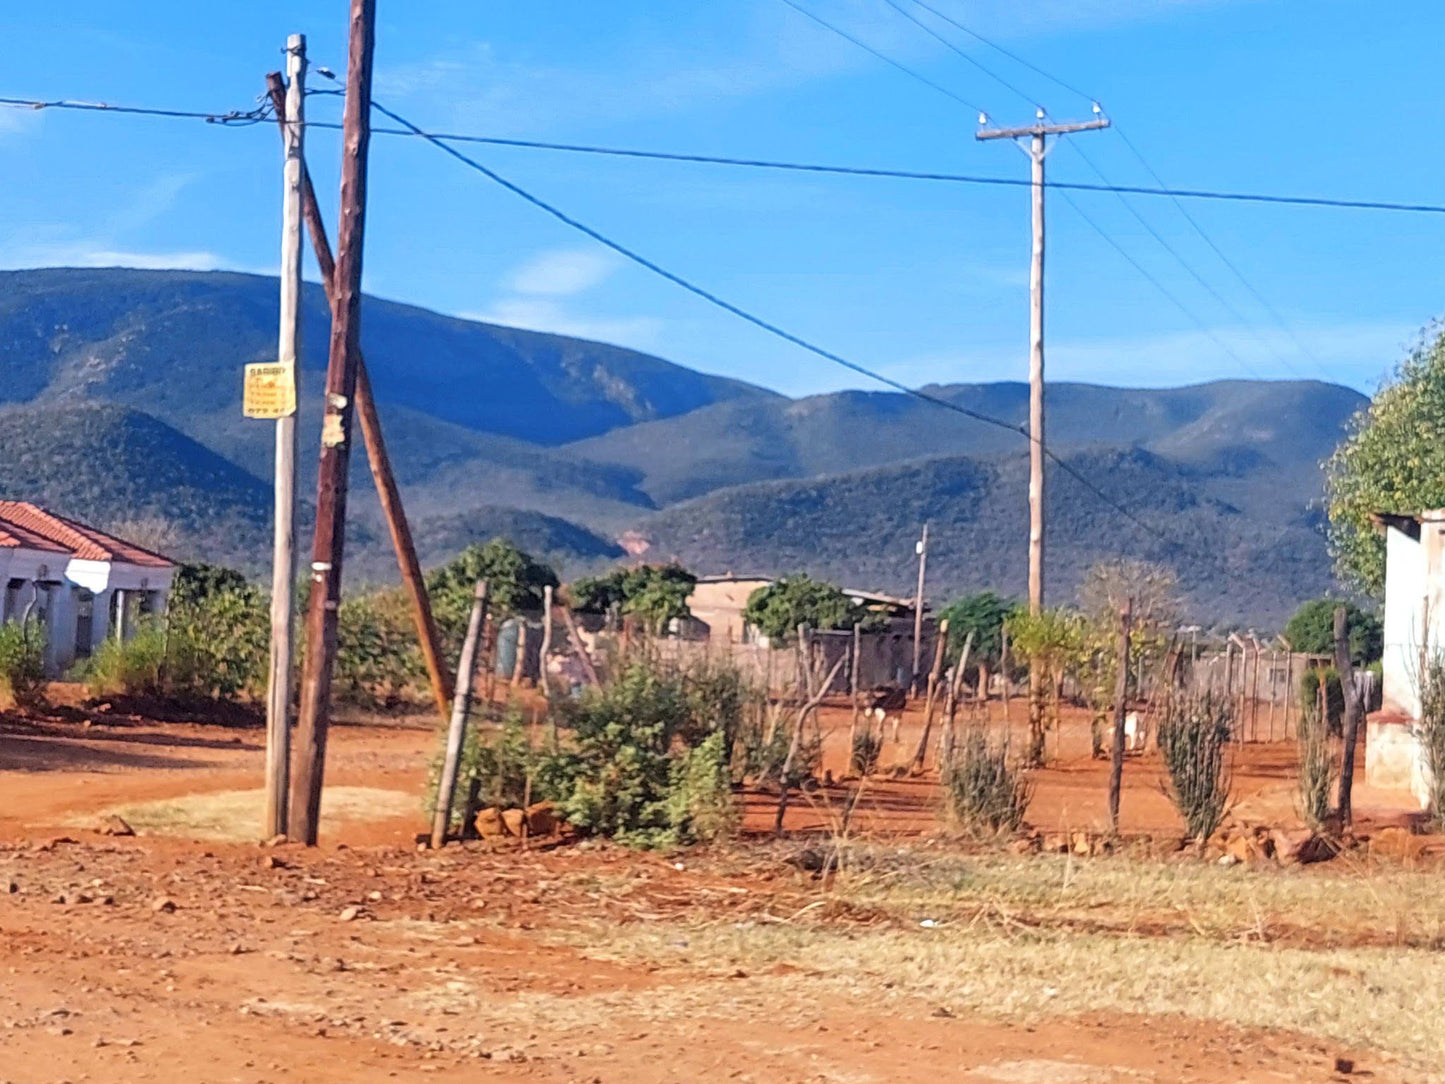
(1193,738)
(984,793)
(1316,768)
(22,665)
(700,801)
(378,659)
(494,770)
(218,642)
(649,762)
(135,666)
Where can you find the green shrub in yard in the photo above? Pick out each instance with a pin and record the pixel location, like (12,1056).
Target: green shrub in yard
(1309,695)
(1193,738)
(647,763)
(135,666)
(984,793)
(700,799)
(22,665)
(494,770)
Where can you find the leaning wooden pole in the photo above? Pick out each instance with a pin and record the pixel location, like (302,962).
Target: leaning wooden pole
(461,710)
(283,551)
(329,541)
(376,452)
(1346,669)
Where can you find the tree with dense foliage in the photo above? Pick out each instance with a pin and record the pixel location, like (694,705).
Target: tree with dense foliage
(1312,630)
(514,582)
(982,614)
(1393,460)
(777,609)
(657,594)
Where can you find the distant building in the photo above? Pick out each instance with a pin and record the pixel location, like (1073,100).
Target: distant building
(79,583)
(717,604)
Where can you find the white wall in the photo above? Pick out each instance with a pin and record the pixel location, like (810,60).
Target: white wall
(1404,606)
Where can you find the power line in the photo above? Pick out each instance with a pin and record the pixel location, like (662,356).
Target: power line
(231,118)
(1157,284)
(1138,154)
(1188,267)
(1233,267)
(916,21)
(760,322)
(881,55)
(241,119)
(1000,49)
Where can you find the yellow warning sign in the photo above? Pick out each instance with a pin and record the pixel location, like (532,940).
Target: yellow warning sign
(270,390)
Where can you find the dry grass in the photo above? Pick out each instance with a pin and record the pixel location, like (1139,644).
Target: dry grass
(236,815)
(1319,952)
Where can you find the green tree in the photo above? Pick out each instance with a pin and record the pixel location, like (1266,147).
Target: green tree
(983,615)
(514,582)
(655,593)
(779,608)
(1392,460)
(1312,630)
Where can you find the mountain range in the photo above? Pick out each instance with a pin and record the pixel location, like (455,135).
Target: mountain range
(121,405)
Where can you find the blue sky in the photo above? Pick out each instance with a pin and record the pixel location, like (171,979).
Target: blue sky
(925,282)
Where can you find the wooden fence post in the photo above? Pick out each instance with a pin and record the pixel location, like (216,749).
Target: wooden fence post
(940,646)
(1121,694)
(853,691)
(461,709)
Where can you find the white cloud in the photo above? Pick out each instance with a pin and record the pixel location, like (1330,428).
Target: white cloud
(535,294)
(544,314)
(562,272)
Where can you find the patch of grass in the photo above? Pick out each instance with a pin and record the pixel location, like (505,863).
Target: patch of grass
(1380,998)
(236,815)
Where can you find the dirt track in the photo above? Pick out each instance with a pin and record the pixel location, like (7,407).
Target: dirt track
(479,965)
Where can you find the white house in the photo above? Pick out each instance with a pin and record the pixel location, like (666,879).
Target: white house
(79,583)
(1414,632)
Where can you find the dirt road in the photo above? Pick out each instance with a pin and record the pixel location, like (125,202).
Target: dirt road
(156,958)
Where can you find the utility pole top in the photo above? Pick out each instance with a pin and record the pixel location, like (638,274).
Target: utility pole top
(1041,129)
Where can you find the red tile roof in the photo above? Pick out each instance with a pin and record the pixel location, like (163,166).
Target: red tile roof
(24,521)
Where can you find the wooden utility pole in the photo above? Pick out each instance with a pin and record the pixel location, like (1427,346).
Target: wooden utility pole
(342,362)
(376,453)
(921,548)
(1037,150)
(283,551)
(461,710)
(1346,669)
(1121,703)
